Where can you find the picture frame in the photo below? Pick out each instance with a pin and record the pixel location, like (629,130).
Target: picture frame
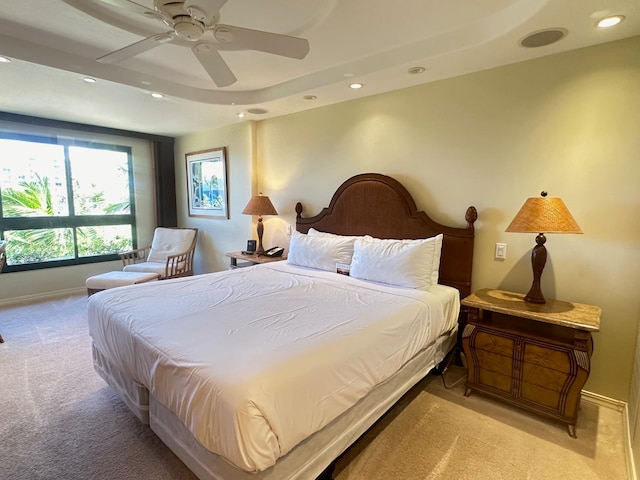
(208,195)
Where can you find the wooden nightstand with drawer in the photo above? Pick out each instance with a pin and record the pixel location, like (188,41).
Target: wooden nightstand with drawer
(534,356)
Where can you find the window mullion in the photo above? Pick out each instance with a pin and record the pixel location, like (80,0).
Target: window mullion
(70,202)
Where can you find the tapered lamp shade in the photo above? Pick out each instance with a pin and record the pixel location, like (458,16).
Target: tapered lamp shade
(542,215)
(260,205)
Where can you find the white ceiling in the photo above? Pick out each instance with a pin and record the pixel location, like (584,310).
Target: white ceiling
(53,45)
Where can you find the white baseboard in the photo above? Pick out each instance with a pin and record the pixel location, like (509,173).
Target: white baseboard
(623,408)
(42,296)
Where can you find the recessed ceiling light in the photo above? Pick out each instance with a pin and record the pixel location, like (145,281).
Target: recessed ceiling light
(257,111)
(309,97)
(543,37)
(356,86)
(157,95)
(5,60)
(241,115)
(416,70)
(89,80)
(610,21)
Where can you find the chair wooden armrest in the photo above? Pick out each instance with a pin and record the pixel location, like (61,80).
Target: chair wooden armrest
(180,264)
(138,255)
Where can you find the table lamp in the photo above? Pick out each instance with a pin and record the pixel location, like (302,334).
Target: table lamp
(260,205)
(542,215)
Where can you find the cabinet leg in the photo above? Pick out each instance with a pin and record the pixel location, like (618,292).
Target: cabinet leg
(572,431)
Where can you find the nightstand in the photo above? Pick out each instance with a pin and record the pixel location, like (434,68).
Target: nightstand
(535,356)
(248,260)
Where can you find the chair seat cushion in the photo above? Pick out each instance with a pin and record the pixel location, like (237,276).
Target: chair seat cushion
(149,267)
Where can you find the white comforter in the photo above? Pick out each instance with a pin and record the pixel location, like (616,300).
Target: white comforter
(255,360)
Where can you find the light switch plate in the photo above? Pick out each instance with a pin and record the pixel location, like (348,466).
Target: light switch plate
(501,251)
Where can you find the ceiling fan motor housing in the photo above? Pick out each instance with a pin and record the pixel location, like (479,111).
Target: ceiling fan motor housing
(188,29)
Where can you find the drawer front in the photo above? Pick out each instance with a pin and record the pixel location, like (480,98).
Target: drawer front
(541,396)
(495,380)
(494,362)
(491,342)
(555,359)
(544,377)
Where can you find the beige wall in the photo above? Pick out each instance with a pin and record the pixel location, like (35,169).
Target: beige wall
(567,124)
(217,236)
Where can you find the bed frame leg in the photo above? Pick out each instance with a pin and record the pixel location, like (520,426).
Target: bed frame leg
(328,472)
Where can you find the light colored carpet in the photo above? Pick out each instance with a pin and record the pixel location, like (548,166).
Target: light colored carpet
(59,420)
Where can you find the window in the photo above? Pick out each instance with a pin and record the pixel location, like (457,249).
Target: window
(64,201)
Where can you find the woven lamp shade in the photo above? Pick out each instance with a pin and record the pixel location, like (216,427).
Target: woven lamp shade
(259,205)
(544,215)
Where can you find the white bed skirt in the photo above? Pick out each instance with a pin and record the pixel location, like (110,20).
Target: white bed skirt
(135,395)
(311,457)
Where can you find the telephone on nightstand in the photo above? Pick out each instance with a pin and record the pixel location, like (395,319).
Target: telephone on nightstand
(273,252)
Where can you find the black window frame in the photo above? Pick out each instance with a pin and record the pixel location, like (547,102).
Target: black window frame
(71,220)
(162,156)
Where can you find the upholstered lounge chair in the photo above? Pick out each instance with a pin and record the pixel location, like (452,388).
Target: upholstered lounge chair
(170,254)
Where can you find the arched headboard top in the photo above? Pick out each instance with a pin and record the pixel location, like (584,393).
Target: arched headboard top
(380,206)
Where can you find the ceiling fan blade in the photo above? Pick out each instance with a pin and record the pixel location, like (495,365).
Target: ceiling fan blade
(275,43)
(129,5)
(204,10)
(214,64)
(134,7)
(136,48)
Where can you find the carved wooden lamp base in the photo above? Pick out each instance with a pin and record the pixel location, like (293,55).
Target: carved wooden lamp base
(538,261)
(260,249)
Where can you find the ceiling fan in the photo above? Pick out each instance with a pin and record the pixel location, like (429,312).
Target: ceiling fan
(196,22)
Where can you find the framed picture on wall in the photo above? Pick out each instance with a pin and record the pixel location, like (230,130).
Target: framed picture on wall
(207,183)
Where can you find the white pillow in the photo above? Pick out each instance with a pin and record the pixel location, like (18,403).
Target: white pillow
(404,263)
(317,233)
(321,253)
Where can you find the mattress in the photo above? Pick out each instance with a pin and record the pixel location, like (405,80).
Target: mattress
(253,361)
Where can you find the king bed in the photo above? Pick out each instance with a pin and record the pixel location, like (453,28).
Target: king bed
(272,371)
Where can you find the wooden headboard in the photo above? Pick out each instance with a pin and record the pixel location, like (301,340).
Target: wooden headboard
(378,205)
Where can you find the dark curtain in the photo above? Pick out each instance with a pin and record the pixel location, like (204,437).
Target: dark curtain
(165,183)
